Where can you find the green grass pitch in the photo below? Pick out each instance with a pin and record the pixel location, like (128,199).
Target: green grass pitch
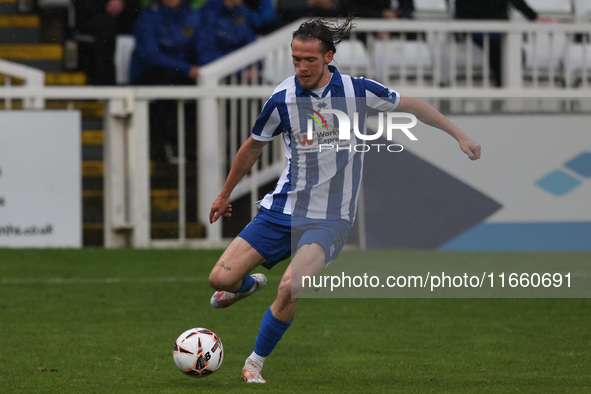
(104,321)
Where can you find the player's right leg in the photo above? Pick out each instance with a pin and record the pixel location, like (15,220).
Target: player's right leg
(230,276)
(262,241)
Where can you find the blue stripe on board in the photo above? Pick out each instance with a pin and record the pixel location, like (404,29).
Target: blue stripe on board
(527,237)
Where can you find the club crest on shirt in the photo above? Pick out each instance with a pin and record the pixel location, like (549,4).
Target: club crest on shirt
(187,31)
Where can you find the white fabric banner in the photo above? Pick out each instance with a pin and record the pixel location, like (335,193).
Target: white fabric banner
(40,179)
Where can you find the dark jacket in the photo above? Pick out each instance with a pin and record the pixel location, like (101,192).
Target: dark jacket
(85,10)
(172,39)
(491,9)
(231,27)
(290,10)
(374,8)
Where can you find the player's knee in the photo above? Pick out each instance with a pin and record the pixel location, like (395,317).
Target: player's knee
(218,281)
(214,281)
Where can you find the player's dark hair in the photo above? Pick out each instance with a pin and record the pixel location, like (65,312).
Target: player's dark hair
(328,31)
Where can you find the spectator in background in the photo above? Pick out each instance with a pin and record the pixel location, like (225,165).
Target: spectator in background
(103,20)
(171,44)
(230,22)
(261,15)
(290,10)
(387,9)
(195,4)
(494,10)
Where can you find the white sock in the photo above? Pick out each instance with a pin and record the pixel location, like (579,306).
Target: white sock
(258,360)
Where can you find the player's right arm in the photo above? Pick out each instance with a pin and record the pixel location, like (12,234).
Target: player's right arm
(246,157)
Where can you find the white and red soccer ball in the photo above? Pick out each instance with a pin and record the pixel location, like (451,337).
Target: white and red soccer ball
(198,352)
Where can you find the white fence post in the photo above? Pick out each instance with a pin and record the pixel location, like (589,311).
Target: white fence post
(511,67)
(127,174)
(32,77)
(139,174)
(116,219)
(209,173)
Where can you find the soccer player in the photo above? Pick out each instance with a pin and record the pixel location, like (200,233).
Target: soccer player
(312,207)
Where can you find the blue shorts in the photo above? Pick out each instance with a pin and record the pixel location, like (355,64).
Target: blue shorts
(276,241)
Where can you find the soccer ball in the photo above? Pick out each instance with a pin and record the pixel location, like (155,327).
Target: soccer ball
(198,352)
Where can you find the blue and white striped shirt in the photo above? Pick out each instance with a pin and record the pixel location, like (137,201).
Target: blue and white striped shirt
(318,182)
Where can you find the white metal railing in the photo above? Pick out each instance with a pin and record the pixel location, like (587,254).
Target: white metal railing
(232,90)
(30,76)
(436,53)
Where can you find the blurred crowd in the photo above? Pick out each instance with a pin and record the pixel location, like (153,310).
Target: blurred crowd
(173,38)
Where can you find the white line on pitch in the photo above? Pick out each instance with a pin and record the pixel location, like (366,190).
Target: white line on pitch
(82,281)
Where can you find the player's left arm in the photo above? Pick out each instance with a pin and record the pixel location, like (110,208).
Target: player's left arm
(429,115)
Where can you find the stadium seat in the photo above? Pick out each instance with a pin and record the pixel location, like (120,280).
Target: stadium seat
(352,58)
(431,10)
(582,9)
(399,61)
(543,57)
(577,58)
(123,49)
(562,10)
(462,62)
(544,52)
(577,64)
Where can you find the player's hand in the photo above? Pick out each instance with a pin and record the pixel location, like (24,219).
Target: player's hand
(220,207)
(546,19)
(471,148)
(194,72)
(389,14)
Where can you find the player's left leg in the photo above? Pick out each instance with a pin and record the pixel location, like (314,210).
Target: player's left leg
(308,260)
(318,243)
